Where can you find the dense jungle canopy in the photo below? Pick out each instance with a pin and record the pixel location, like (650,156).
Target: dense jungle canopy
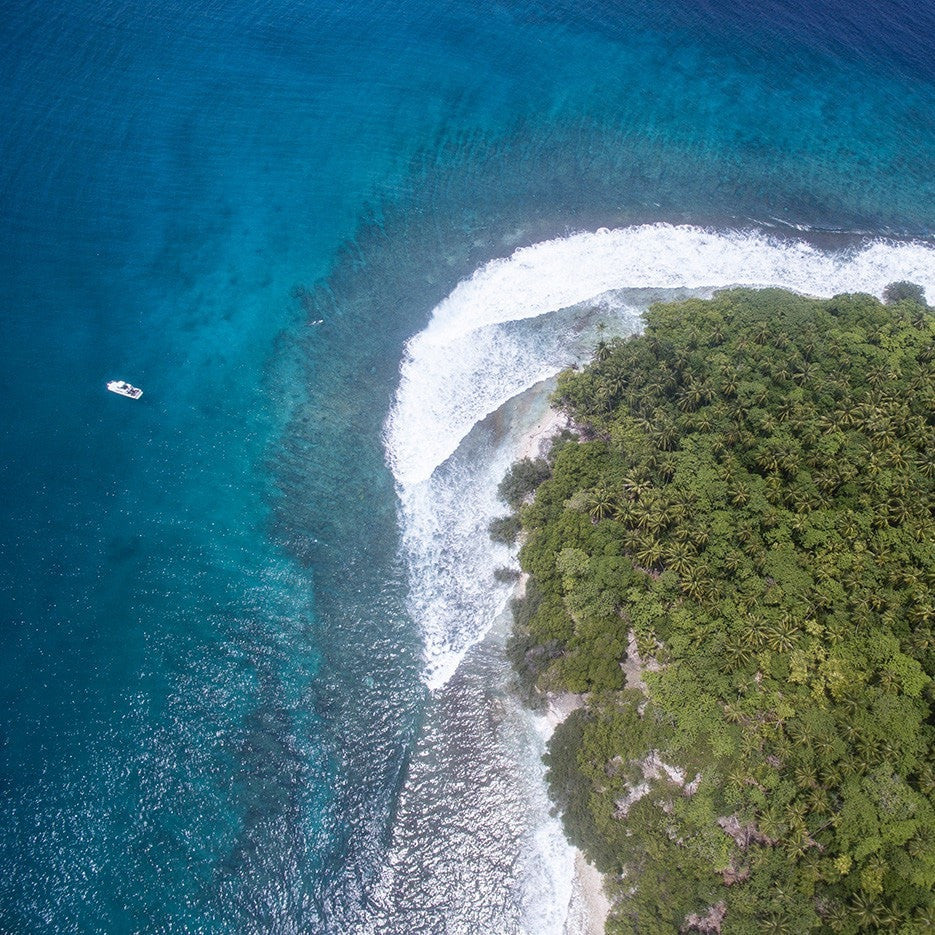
(734,562)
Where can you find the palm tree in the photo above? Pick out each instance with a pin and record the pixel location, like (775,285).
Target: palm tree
(850,732)
(922,640)
(730,382)
(694,584)
(897,454)
(756,631)
(768,424)
(925,918)
(679,557)
(685,401)
(817,800)
(783,371)
(877,377)
(836,915)
(925,463)
(771,824)
(601,503)
(603,396)
(788,458)
(664,437)
(642,515)
(870,748)
(657,520)
(650,554)
(635,487)
(617,385)
(733,560)
(716,335)
(738,653)
(889,681)
(761,332)
(850,528)
(825,746)
(768,459)
(703,421)
(785,410)
(666,468)
(623,512)
(847,413)
(652,391)
(777,924)
(804,373)
(632,541)
(866,911)
(699,394)
(799,734)
(740,494)
(804,776)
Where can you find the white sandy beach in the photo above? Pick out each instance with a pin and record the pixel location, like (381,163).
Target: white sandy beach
(536,442)
(589,906)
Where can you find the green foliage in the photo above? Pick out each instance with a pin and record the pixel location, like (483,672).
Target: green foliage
(571,790)
(505,529)
(899,291)
(530,653)
(754,502)
(522,479)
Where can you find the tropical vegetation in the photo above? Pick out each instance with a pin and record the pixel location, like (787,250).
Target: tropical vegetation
(734,565)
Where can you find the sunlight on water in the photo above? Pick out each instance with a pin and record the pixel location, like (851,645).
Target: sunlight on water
(222,609)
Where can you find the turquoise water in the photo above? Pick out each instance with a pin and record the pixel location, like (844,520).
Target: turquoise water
(212,668)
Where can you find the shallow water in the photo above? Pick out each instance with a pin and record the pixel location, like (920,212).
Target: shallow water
(221,609)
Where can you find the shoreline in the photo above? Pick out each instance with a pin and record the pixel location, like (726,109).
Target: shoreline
(536,440)
(588,907)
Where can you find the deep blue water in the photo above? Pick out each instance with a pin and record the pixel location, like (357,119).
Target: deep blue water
(210,684)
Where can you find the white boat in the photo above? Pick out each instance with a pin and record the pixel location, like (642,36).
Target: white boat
(123,388)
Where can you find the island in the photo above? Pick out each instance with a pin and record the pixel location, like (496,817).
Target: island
(730,562)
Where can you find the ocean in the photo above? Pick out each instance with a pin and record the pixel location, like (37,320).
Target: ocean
(252,643)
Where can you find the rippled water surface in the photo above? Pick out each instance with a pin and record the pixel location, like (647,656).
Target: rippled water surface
(251,680)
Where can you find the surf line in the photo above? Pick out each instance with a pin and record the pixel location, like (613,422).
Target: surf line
(465,365)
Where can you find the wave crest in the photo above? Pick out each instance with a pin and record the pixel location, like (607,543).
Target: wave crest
(472,358)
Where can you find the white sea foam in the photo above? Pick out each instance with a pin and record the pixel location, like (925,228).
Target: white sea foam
(511,324)
(455,371)
(475,355)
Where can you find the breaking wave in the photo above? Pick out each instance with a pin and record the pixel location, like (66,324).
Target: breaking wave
(518,321)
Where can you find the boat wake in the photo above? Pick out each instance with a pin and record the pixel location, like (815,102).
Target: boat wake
(520,320)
